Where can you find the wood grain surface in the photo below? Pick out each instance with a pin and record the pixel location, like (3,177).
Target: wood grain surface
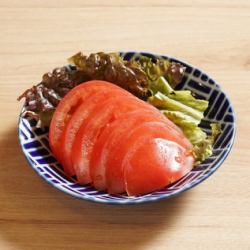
(37,36)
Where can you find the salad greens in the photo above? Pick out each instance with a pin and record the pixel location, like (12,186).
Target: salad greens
(113,68)
(204,148)
(186,112)
(152,81)
(173,72)
(134,76)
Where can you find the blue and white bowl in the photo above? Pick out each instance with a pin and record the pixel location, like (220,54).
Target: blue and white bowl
(35,145)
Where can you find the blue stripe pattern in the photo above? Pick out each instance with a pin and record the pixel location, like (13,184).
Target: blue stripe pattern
(35,145)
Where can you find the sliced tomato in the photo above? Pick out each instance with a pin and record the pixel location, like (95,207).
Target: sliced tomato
(65,110)
(106,160)
(126,138)
(155,158)
(91,129)
(82,113)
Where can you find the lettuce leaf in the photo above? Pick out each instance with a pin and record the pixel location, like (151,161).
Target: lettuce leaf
(113,68)
(204,148)
(182,96)
(173,72)
(162,101)
(43,118)
(186,111)
(181,119)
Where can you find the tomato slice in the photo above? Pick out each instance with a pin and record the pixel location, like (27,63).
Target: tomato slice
(65,110)
(155,160)
(81,114)
(106,160)
(91,129)
(112,160)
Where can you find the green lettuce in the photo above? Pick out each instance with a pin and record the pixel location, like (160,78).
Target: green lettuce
(162,101)
(186,111)
(204,148)
(183,96)
(171,71)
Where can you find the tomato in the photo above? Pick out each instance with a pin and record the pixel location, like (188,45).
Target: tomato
(91,129)
(103,134)
(115,155)
(155,158)
(81,114)
(65,110)
(106,160)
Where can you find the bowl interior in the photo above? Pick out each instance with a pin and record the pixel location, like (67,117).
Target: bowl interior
(35,145)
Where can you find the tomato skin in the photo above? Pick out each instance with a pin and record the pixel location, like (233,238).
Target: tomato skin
(64,111)
(115,155)
(155,159)
(107,158)
(82,113)
(104,114)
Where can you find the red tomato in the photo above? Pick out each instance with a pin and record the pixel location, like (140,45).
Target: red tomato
(81,114)
(124,135)
(105,135)
(66,108)
(106,158)
(155,158)
(91,129)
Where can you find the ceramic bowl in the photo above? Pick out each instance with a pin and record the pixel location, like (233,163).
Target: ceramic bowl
(35,145)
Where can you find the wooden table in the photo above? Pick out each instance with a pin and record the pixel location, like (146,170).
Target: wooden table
(37,36)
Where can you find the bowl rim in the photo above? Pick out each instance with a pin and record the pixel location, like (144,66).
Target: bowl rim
(144,199)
